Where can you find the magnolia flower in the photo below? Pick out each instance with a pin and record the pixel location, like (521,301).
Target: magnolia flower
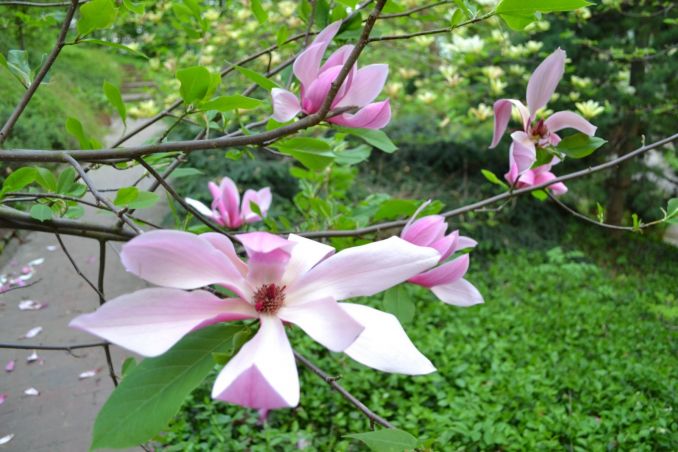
(359,89)
(293,280)
(541,133)
(446,281)
(536,176)
(226,207)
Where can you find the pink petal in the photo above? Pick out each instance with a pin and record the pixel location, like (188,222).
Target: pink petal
(325,322)
(447,245)
(443,274)
(180,260)
(200,207)
(384,345)
(3,397)
(544,81)
(230,202)
(314,95)
(425,231)
(268,256)
(151,321)
(459,293)
(285,105)
(33,332)
(545,176)
(362,271)
(465,242)
(373,116)
(9,367)
(502,115)
(365,86)
(522,152)
(261,198)
(304,256)
(263,374)
(224,244)
(307,65)
(338,57)
(567,119)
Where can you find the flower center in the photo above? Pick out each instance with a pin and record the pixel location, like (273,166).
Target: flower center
(269,298)
(539,130)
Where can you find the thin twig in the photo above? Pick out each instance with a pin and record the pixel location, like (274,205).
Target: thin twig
(102,300)
(35,84)
(25,286)
(373,417)
(64,348)
(39,4)
(434,31)
(412,11)
(311,20)
(98,196)
(75,266)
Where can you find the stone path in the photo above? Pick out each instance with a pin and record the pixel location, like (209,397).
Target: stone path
(60,418)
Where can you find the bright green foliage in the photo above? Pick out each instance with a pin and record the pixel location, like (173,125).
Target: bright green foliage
(519,13)
(96,15)
(195,83)
(257,78)
(386,440)
(113,95)
(152,392)
(74,127)
(133,198)
(17,63)
(579,145)
(259,11)
(376,138)
(229,103)
(399,302)
(18,179)
(41,212)
(672,210)
(491,177)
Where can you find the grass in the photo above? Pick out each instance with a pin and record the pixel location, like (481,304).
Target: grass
(574,349)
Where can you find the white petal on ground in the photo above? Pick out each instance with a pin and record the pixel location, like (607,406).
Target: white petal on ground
(35,262)
(32,392)
(7,438)
(33,332)
(88,374)
(31,305)
(3,397)
(9,367)
(32,357)
(51,247)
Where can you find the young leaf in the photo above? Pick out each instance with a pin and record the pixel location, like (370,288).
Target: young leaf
(144,200)
(672,211)
(152,392)
(490,176)
(195,83)
(386,440)
(257,78)
(228,103)
(66,180)
(74,127)
(126,195)
(579,145)
(399,304)
(113,95)
(519,13)
(259,11)
(281,36)
(17,64)
(354,156)
(136,8)
(41,212)
(376,138)
(18,179)
(96,15)
(541,195)
(46,179)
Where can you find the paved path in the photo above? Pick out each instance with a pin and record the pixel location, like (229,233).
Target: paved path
(61,417)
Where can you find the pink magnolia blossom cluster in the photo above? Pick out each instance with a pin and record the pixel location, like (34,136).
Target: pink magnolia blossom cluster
(536,133)
(284,281)
(226,208)
(360,88)
(446,280)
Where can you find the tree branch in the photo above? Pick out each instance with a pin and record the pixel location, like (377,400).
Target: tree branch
(102,300)
(341,390)
(75,266)
(35,84)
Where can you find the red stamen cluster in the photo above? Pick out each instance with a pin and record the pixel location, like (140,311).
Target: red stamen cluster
(269,298)
(540,130)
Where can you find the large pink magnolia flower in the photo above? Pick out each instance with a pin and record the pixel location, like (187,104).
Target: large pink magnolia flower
(541,133)
(226,208)
(359,89)
(294,280)
(446,281)
(536,176)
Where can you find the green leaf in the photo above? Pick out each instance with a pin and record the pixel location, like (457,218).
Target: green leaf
(113,95)
(541,195)
(579,145)
(399,304)
(259,11)
(457,17)
(74,127)
(228,103)
(490,176)
(136,8)
(127,366)
(115,45)
(257,78)
(75,212)
(672,210)
(17,64)
(312,160)
(41,212)
(519,13)
(18,179)
(152,393)
(376,138)
(281,36)
(304,144)
(144,200)
(354,156)
(195,83)
(66,180)
(96,15)
(46,179)
(313,153)
(125,195)
(386,440)
(185,172)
